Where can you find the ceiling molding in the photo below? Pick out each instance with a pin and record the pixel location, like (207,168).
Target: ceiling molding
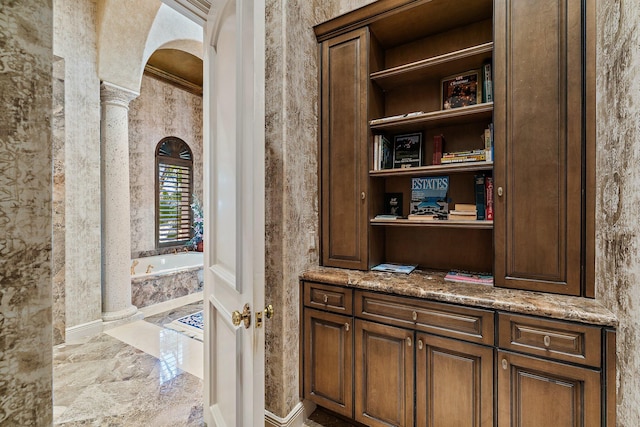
(173,79)
(196,10)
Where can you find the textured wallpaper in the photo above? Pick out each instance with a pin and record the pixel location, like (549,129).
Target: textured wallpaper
(292,184)
(75,41)
(161,110)
(25,213)
(618,191)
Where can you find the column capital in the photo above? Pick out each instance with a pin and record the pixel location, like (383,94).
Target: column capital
(116,95)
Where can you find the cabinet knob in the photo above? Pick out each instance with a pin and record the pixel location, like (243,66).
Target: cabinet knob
(362,195)
(420,344)
(500,191)
(408,341)
(346,327)
(547,340)
(414,316)
(325,298)
(505,364)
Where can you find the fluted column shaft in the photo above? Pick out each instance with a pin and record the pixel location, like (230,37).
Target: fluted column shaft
(115,198)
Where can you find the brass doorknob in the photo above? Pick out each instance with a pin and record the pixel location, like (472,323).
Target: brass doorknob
(237,317)
(268,311)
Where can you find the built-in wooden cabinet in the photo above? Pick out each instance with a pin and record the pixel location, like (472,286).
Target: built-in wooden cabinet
(450,371)
(328,355)
(544,89)
(343,161)
(381,72)
(384,375)
(536,392)
(391,360)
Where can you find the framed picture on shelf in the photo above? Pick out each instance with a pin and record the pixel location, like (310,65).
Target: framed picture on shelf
(407,150)
(461,90)
(393,204)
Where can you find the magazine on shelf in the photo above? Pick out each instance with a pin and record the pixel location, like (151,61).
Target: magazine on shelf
(429,195)
(395,268)
(460,276)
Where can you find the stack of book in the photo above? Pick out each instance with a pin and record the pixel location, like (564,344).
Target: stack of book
(469,277)
(463,212)
(464,156)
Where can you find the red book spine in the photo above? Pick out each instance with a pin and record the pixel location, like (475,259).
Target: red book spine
(488,182)
(437,149)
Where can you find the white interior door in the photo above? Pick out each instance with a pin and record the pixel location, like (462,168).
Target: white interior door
(234,224)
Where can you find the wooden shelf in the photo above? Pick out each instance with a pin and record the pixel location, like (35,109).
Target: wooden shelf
(435,67)
(434,169)
(483,225)
(434,119)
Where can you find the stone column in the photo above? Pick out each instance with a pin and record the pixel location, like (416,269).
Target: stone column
(116,229)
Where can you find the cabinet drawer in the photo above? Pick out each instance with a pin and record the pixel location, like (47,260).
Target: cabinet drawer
(327,297)
(469,324)
(550,338)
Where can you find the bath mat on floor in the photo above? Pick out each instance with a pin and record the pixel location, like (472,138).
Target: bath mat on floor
(191,325)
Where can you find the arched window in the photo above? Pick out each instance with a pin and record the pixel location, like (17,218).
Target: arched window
(174,186)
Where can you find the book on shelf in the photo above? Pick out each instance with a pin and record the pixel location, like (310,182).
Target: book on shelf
(429,195)
(489,198)
(461,276)
(480,192)
(487,82)
(464,156)
(386,217)
(391,267)
(393,204)
(487,138)
(426,218)
(438,145)
(407,150)
(463,212)
(382,153)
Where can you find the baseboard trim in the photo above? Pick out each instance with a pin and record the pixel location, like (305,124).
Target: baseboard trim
(161,307)
(82,333)
(295,418)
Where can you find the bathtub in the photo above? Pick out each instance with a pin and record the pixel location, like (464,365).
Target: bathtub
(170,276)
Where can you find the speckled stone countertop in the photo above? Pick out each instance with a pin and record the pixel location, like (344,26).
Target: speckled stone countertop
(432,286)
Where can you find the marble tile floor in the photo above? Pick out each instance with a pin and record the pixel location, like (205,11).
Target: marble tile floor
(138,375)
(135,375)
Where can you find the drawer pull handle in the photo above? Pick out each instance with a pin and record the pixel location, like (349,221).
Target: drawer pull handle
(547,340)
(408,341)
(325,298)
(420,345)
(505,364)
(346,327)
(414,316)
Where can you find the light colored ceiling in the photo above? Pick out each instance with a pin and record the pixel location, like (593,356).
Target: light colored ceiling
(177,66)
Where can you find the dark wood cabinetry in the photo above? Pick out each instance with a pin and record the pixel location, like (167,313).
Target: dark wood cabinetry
(344,135)
(401,361)
(542,139)
(454,383)
(534,392)
(328,355)
(378,80)
(384,375)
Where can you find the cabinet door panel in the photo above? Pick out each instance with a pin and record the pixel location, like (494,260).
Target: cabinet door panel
(534,392)
(344,158)
(328,359)
(384,375)
(539,145)
(454,383)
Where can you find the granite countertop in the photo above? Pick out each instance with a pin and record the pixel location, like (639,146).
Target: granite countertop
(431,285)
